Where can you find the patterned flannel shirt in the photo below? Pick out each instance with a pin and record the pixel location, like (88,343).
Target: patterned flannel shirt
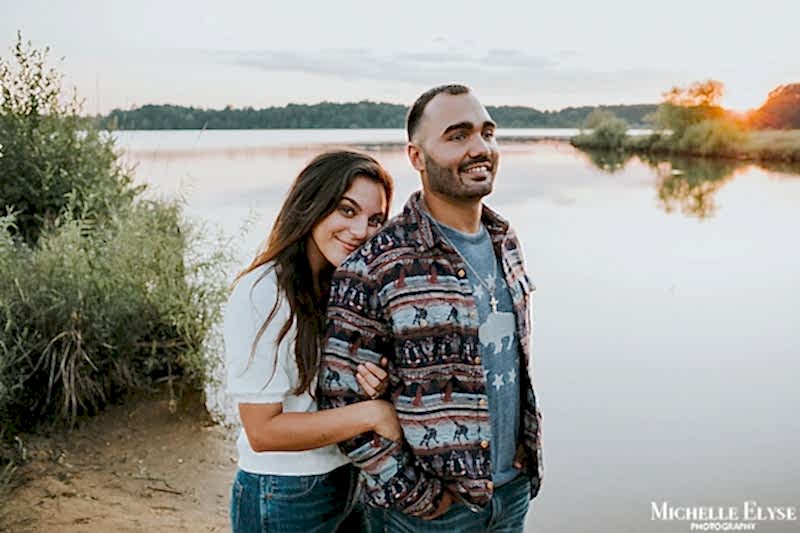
(405,295)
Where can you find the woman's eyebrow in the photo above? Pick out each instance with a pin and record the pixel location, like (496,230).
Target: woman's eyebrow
(351,201)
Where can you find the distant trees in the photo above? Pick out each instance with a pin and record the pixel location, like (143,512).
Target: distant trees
(607,129)
(780,111)
(684,107)
(363,114)
(690,121)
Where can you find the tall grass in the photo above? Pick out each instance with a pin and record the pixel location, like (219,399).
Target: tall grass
(102,292)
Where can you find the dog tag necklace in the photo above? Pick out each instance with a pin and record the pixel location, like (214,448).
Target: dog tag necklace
(493,278)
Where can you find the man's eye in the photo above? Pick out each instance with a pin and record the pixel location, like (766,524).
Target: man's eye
(488,134)
(458,137)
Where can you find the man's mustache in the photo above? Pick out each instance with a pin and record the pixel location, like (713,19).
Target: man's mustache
(475,162)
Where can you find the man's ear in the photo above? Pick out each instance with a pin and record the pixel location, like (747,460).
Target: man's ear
(415,156)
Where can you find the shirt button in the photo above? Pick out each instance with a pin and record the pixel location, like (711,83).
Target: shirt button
(489,485)
(473,314)
(423,322)
(482,402)
(477,360)
(461,273)
(484,444)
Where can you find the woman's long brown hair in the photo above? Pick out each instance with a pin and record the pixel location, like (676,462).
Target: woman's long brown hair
(315,193)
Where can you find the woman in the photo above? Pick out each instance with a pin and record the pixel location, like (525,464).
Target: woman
(291,475)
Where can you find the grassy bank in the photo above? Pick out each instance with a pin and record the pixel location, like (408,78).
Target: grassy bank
(704,140)
(103,292)
(690,122)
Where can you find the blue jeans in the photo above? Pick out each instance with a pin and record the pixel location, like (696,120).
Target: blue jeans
(292,504)
(505,513)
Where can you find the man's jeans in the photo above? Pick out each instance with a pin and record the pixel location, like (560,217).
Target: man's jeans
(505,513)
(301,504)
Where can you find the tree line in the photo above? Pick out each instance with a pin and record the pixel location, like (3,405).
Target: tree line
(781,110)
(364,114)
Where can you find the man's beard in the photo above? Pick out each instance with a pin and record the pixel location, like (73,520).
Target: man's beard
(444,181)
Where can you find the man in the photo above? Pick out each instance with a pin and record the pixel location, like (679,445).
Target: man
(442,292)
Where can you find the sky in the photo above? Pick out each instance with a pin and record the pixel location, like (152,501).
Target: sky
(547,55)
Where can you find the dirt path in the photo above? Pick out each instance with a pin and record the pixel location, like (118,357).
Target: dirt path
(135,467)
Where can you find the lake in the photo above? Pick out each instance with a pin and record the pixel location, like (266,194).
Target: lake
(666,349)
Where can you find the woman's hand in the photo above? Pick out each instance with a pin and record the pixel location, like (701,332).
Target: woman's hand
(385,422)
(372,378)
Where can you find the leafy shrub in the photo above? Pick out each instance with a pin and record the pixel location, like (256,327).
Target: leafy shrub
(719,137)
(608,131)
(102,292)
(94,311)
(51,162)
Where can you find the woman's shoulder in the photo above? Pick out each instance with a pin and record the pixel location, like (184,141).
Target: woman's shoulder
(256,291)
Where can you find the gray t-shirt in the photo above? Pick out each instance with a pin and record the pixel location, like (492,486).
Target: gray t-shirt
(498,344)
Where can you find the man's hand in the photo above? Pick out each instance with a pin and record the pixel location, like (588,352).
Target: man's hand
(444,505)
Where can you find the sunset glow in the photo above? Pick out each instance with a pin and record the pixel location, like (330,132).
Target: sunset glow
(744,99)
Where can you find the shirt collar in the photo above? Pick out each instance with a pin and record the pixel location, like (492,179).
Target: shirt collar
(430,236)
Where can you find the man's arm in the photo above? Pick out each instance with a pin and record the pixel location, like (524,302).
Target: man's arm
(358,332)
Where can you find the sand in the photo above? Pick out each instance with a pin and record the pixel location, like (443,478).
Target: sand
(147,465)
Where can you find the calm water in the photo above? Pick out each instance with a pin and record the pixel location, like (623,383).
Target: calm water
(666,345)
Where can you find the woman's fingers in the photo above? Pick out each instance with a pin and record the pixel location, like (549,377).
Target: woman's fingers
(376,371)
(368,376)
(372,378)
(368,389)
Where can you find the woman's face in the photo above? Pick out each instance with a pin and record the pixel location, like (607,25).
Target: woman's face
(358,216)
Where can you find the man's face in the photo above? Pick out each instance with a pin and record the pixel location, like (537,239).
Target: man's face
(454,147)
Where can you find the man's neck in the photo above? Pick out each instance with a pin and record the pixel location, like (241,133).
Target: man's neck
(465,215)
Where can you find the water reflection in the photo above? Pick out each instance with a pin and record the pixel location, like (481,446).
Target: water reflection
(610,161)
(686,184)
(689,185)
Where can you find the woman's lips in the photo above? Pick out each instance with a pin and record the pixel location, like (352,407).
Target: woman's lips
(348,246)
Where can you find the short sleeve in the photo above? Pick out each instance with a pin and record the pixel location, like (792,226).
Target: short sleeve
(260,376)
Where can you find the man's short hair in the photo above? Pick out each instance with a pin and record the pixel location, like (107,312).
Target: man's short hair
(415,113)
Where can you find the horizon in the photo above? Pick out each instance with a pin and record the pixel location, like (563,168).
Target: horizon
(367,101)
(251,54)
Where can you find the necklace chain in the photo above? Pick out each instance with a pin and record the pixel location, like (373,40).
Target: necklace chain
(493,300)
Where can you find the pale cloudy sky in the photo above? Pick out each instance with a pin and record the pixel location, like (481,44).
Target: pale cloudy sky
(548,55)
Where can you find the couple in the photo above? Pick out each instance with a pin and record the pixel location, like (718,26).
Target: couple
(418,330)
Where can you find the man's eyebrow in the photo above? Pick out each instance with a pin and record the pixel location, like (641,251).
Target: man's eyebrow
(467,125)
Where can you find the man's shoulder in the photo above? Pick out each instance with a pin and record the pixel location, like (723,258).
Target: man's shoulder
(395,243)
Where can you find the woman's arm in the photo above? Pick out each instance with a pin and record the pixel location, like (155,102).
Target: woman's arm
(268,428)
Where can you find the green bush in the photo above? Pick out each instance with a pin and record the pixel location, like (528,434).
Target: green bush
(607,131)
(94,311)
(717,137)
(52,163)
(102,292)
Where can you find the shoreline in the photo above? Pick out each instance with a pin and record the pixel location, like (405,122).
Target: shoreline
(769,146)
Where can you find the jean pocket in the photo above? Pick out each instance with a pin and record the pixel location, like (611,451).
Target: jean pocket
(288,488)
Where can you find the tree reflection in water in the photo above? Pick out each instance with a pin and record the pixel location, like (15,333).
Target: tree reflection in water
(685,184)
(689,184)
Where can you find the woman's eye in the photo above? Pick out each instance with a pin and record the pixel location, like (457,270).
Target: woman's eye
(376,222)
(347,211)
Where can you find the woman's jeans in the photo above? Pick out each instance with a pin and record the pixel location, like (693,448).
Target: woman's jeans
(301,504)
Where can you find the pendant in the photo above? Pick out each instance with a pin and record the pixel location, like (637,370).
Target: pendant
(493,302)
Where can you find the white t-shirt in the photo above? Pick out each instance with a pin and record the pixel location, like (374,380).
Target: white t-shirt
(253,381)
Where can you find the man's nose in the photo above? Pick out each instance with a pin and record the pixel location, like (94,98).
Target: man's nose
(479,146)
